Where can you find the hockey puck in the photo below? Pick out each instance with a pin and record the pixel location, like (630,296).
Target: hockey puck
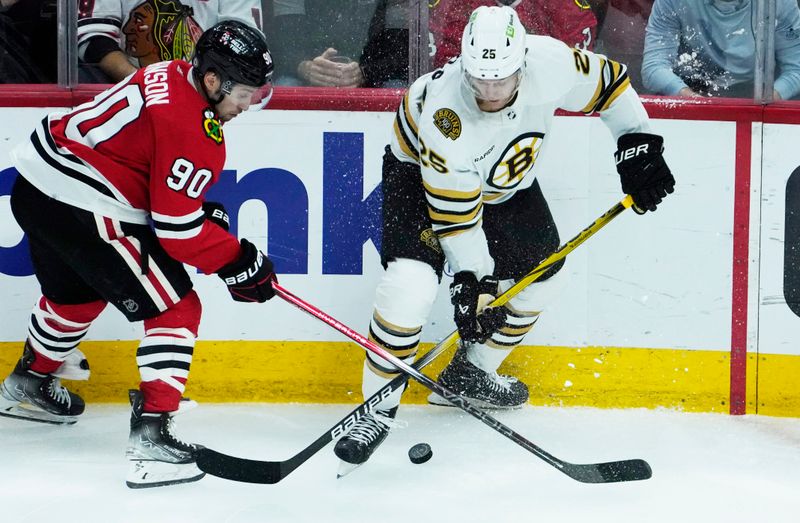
(420,453)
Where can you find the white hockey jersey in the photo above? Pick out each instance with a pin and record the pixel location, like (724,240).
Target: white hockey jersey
(470,158)
(151,31)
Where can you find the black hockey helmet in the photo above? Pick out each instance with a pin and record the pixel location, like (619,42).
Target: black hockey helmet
(236,52)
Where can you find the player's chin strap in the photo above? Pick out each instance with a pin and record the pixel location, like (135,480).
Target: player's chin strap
(214,101)
(225,90)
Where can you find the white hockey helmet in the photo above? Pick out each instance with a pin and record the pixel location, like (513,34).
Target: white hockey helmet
(493,52)
(493,43)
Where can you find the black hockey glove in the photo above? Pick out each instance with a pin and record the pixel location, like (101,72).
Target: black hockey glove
(474,327)
(250,277)
(216,213)
(642,170)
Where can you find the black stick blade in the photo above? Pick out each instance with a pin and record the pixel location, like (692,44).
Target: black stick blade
(238,469)
(611,472)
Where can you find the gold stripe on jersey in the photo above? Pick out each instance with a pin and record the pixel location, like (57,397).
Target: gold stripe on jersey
(618,91)
(409,117)
(453,212)
(402,139)
(449,195)
(404,121)
(445,232)
(443,217)
(492,196)
(612,81)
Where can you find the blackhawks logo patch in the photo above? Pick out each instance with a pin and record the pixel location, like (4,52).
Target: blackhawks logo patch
(211,126)
(429,238)
(448,122)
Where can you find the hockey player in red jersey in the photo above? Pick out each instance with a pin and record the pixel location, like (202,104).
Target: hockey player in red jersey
(111,196)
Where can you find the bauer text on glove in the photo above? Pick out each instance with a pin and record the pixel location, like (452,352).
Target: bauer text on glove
(250,277)
(642,170)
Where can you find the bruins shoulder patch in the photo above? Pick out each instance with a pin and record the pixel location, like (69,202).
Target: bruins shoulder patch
(211,126)
(448,122)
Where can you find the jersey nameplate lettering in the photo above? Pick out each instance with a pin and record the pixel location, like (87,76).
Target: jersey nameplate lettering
(156,88)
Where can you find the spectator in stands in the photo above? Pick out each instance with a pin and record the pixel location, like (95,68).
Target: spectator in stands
(385,59)
(571,21)
(708,48)
(116,37)
(28,45)
(620,33)
(333,36)
(630,8)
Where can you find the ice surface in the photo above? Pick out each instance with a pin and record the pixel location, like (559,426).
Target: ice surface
(706,468)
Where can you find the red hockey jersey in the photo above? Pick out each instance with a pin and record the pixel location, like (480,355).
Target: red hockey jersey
(571,21)
(146,149)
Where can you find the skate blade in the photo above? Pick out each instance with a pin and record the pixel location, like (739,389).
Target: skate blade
(16,411)
(346,468)
(435,399)
(149,474)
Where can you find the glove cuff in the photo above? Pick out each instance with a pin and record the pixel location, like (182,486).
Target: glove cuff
(216,213)
(246,257)
(489,284)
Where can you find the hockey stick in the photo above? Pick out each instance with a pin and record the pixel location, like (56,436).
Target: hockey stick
(254,471)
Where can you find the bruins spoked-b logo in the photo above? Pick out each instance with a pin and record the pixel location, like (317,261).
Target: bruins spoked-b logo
(516,161)
(211,126)
(448,122)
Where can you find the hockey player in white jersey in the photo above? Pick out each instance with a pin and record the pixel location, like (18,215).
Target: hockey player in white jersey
(459,184)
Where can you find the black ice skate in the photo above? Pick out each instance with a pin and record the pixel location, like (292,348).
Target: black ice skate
(157,458)
(487,390)
(355,447)
(32,396)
